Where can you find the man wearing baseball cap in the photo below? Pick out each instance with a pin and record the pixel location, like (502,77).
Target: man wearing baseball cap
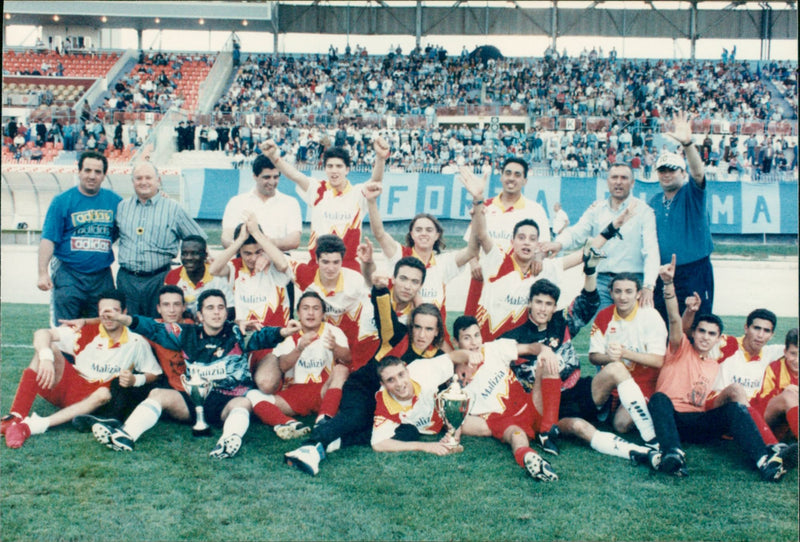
(682,220)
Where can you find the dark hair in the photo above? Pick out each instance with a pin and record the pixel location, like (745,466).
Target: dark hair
(410,261)
(336,152)
(526,222)
(710,318)
(261,163)
(195,239)
(114,294)
(428,309)
(762,314)
(94,155)
(463,322)
(622,164)
(439,244)
(170,289)
(250,239)
(329,244)
(791,338)
(388,361)
(544,287)
(315,295)
(209,293)
(515,160)
(626,276)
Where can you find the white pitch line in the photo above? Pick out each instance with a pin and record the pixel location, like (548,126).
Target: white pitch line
(17,346)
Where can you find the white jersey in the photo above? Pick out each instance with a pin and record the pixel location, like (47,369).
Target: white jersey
(490,384)
(315,362)
(420,411)
(642,330)
(741,368)
(278,216)
(100,359)
(440,270)
(500,220)
(331,211)
(260,297)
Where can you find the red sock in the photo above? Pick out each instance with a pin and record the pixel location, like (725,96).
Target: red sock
(519,455)
(27,391)
(763,428)
(551,398)
(473,296)
(269,414)
(791,417)
(330,403)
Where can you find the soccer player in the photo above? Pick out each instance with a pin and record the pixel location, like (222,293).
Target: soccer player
(216,350)
(499,406)
(352,425)
(260,295)
(335,206)
(777,400)
(314,362)
(75,253)
(194,276)
(679,406)
(105,353)
(406,405)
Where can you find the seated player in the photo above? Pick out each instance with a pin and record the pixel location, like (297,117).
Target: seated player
(406,405)
(499,405)
(216,350)
(352,425)
(112,365)
(777,399)
(680,408)
(315,364)
(345,294)
(504,297)
(424,241)
(194,275)
(335,206)
(259,274)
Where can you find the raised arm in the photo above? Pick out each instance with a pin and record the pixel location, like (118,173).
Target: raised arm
(271,151)
(667,274)
(219,267)
(478,236)
(382,151)
(388,245)
(603,237)
(277,257)
(364,252)
(692,305)
(682,133)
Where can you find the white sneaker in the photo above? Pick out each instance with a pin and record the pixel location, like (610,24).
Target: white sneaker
(291,430)
(538,468)
(226,447)
(306,458)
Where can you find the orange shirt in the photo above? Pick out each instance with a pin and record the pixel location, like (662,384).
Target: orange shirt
(686,378)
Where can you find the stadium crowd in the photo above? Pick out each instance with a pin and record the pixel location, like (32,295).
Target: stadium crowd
(362,348)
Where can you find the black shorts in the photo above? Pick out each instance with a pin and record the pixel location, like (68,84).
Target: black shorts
(212,409)
(576,402)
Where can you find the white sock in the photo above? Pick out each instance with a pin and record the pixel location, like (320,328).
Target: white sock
(236,423)
(631,397)
(143,417)
(333,446)
(611,444)
(37,424)
(258,396)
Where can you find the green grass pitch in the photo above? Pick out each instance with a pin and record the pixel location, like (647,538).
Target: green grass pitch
(63,485)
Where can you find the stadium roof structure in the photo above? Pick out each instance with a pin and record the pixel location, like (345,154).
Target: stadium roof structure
(691,20)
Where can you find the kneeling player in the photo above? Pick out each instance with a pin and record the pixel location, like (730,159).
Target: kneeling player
(215,350)
(500,407)
(314,362)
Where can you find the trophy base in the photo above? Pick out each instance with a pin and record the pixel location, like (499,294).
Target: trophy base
(206,432)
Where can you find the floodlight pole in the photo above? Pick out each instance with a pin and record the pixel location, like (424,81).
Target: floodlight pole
(554,24)
(693,29)
(418,24)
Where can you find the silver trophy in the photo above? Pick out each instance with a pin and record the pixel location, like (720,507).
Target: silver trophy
(453,406)
(198,389)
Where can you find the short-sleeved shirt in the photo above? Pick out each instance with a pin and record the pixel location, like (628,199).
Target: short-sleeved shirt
(98,358)
(777,378)
(440,269)
(420,411)
(82,229)
(737,366)
(331,211)
(260,297)
(686,378)
(490,386)
(505,295)
(315,362)
(642,330)
(191,291)
(278,216)
(683,227)
(500,220)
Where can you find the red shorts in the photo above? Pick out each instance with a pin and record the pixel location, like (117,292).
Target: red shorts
(303,398)
(256,356)
(71,389)
(520,411)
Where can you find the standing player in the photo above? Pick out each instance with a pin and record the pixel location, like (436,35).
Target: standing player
(335,206)
(194,275)
(215,350)
(104,352)
(679,406)
(499,405)
(315,364)
(75,254)
(777,400)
